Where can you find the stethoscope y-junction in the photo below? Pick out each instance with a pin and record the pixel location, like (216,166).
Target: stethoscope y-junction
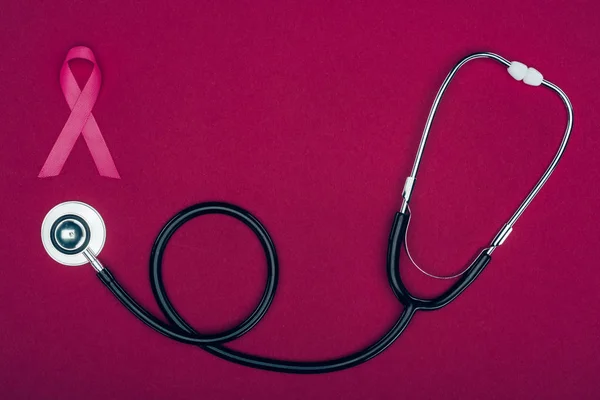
(73,233)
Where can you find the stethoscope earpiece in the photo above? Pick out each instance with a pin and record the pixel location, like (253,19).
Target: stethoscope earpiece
(71,228)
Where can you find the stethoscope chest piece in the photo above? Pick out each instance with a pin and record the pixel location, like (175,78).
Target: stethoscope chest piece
(69,229)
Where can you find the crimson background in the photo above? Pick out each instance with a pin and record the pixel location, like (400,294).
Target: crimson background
(308,114)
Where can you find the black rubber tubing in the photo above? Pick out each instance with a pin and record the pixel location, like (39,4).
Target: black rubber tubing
(178,329)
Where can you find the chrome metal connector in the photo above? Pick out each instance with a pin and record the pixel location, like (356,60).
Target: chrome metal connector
(96,264)
(409,184)
(500,238)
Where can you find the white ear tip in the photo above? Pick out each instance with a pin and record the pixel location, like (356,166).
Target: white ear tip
(517,70)
(533,77)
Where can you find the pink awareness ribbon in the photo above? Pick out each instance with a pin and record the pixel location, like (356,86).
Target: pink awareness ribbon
(81,120)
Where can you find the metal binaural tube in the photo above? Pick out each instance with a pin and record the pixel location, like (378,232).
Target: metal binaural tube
(508,226)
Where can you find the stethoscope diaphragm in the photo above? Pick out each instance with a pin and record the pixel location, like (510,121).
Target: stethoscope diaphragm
(70,228)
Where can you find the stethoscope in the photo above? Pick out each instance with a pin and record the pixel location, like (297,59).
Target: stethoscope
(73,233)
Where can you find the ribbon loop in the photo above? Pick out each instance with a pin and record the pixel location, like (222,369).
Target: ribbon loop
(80,121)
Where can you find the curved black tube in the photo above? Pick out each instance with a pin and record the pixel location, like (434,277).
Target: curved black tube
(393,271)
(178,329)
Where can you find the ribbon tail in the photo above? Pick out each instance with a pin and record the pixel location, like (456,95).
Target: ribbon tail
(99,149)
(62,147)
